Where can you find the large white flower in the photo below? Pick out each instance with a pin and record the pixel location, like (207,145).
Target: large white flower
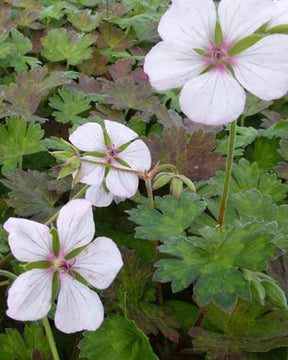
(78,307)
(189,55)
(99,196)
(117,146)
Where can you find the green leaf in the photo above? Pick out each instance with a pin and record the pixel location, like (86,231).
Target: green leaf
(70,46)
(17,138)
(69,105)
(14,346)
(254,105)
(84,20)
(245,177)
(244,137)
(280,129)
(33,193)
(265,153)
(244,44)
(214,260)
(118,338)
(157,224)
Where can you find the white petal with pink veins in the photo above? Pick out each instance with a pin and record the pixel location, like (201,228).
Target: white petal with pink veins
(78,307)
(91,173)
(137,155)
(29,241)
(29,297)
(169,66)
(88,137)
(98,196)
(189,22)
(75,225)
(99,263)
(241,18)
(263,68)
(122,184)
(118,133)
(214,98)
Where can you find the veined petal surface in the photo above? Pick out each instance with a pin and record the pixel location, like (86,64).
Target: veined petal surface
(88,137)
(214,98)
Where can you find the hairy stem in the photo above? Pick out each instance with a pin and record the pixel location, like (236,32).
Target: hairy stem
(148,183)
(8,274)
(229,164)
(50,337)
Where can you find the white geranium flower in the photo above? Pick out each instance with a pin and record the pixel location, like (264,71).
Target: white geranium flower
(78,307)
(211,77)
(120,150)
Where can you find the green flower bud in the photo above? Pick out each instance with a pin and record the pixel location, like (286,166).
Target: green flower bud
(274,294)
(161,180)
(176,187)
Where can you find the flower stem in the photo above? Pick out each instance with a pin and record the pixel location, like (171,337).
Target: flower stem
(148,183)
(50,337)
(229,164)
(76,196)
(8,274)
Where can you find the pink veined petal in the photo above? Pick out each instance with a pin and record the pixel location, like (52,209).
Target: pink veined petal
(122,184)
(98,196)
(170,66)
(29,241)
(119,134)
(137,155)
(88,137)
(189,23)
(281,15)
(75,225)
(214,98)
(78,307)
(241,18)
(29,297)
(92,174)
(263,68)
(99,263)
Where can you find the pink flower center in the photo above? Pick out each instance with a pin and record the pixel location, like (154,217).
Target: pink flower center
(66,265)
(61,264)
(217,55)
(111,152)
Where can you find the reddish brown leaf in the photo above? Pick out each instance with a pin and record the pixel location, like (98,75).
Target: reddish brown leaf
(96,65)
(113,38)
(192,155)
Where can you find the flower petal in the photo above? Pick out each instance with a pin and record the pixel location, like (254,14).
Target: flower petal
(78,307)
(75,225)
(281,15)
(213,98)
(88,137)
(92,174)
(137,155)
(100,262)
(119,134)
(98,196)
(122,184)
(29,297)
(241,18)
(29,241)
(189,22)
(170,66)
(263,68)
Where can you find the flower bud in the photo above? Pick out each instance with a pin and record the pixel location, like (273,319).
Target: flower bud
(274,294)
(161,180)
(176,187)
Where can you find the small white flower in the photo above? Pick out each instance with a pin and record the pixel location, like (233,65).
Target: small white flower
(215,96)
(78,307)
(122,149)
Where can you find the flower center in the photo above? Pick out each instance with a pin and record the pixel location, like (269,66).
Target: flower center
(217,55)
(111,152)
(63,265)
